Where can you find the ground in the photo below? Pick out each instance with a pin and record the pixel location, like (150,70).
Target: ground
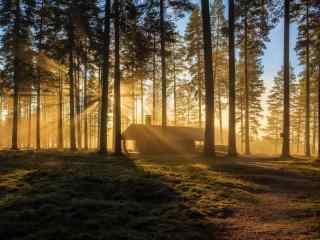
(86,196)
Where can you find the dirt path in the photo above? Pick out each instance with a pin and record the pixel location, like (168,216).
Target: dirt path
(286,211)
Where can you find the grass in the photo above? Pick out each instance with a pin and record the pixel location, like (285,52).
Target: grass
(87,196)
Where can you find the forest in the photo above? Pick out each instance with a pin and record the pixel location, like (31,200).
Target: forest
(159,119)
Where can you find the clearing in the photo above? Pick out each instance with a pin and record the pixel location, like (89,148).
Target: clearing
(85,196)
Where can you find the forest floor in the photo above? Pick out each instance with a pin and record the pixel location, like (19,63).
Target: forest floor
(84,196)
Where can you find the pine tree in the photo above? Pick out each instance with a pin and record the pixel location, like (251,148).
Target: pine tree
(209,140)
(255,23)
(220,60)
(178,7)
(297,107)
(117,78)
(136,51)
(15,19)
(306,12)
(194,42)
(316,58)
(40,23)
(254,101)
(105,80)
(176,68)
(77,21)
(232,150)
(275,108)
(286,84)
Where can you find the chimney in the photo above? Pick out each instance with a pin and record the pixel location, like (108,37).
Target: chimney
(148,120)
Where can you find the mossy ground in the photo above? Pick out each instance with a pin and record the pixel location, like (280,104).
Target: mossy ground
(87,196)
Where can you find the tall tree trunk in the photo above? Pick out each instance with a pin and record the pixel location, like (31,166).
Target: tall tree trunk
(72,103)
(16,77)
(154,66)
(174,91)
(319,112)
(218,82)
(38,110)
(1,119)
(44,119)
(60,114)
(220,114)
(276,142)
(246,80)
(209,148)
(232,149)
(314,130)
(89,130)
(188,110)
(78,106)
(136,107)
(286,77)
(133,95)
(142,100)
(117,94)
(199,89)
(307,116)
(85,115)
(299,132)
(241,124)
(174,84)
(163,63)
(38,84)
(105,83)
(29,120)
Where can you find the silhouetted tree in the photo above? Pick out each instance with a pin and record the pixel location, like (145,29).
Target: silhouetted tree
(232,150)
(286,88)
(105,80)
(209,148)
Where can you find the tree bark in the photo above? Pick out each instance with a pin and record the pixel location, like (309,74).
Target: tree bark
(60,113)
(232,149)
(38,108)
(103,133)
(163,64)
(209,148)
(1,119)
(16,78)
(199,89)
(314,130)
(85,115)
(154,65)
(307,116)
(117,94)
(174,91)
(218,82)
(133,96)
(29,120)
(299,133)
(246,80)
(78,106)
(241,124)
(142,100)
(319,112)
(286,77)
(71,94)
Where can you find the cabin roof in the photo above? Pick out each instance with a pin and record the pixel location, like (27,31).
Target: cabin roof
(140,131)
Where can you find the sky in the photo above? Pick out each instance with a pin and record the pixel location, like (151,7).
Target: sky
(272,59)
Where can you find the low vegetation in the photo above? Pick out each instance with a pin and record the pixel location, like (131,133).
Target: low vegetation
(86,196)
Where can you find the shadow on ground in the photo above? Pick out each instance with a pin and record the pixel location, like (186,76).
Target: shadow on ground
(265,198)
(68,196)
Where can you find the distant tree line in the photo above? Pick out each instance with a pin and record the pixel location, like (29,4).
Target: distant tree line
(91,68)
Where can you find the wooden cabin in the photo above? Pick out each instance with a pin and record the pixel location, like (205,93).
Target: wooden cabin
(155,139)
